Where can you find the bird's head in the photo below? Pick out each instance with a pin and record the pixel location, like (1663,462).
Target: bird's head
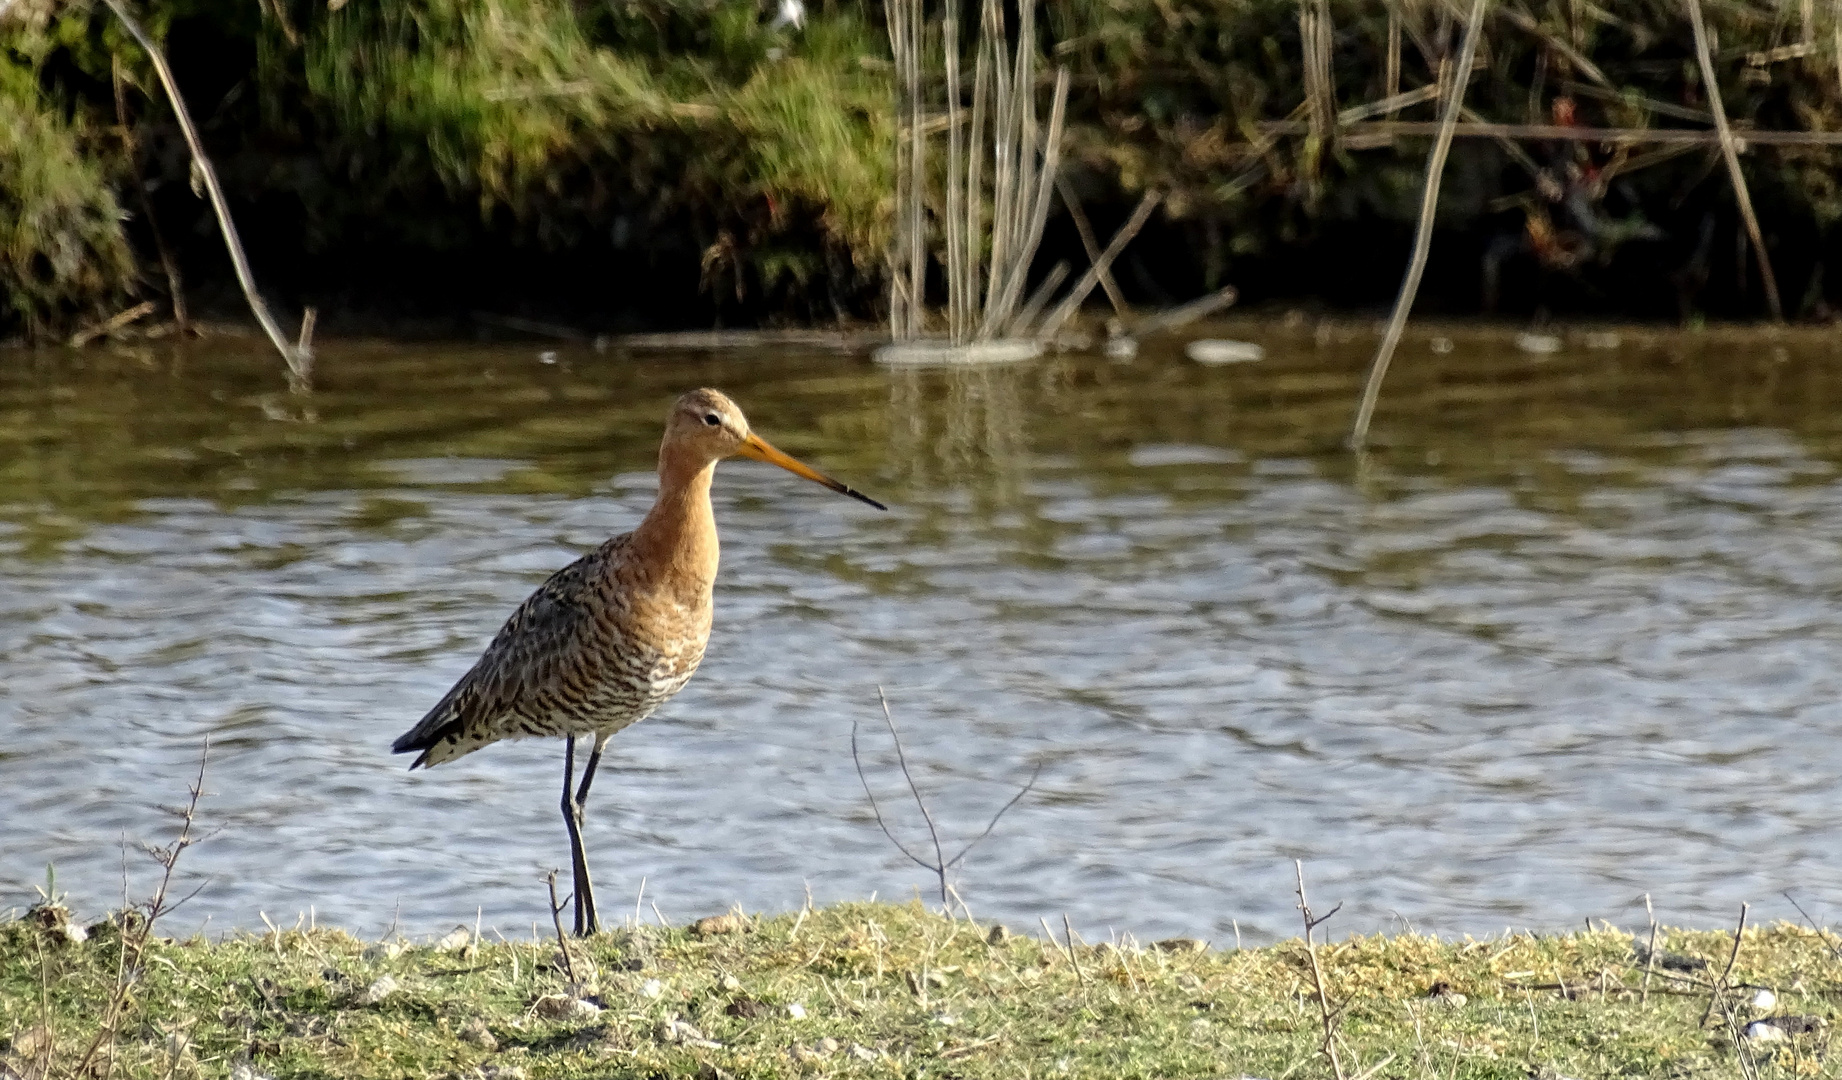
(706,425)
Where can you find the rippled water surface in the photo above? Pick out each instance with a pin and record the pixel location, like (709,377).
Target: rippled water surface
(1572,633)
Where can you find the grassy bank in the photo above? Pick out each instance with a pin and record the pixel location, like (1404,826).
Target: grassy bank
(883,990)
(647,161)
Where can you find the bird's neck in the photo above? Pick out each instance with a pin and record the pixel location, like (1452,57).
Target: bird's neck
(679,534)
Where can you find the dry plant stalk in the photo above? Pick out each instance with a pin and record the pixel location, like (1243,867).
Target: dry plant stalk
(1072,302)
(1423,233)
(136,933)
(300,364)
(1092,248)
(1729,148)
(992,221)
(562,941)
(1650,952)
(1327,1015)
(941,864)
(1721,985)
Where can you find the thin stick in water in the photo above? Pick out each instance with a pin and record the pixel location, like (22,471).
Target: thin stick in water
(298,365)
(1423,233)
(1092,246)
(956,196)
(1730,151)
(1072,302)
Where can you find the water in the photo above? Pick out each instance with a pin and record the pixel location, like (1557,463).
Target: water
(1573,632)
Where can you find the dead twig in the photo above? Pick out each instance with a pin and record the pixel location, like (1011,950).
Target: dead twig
(1326,1014)
(299,366)
(1423,233)
(137,932)
(1729,148)
(113,323)
(1184,314)
(941,865)
(1821,933)
(1092,246)
(1072,302)
(1721,985)
(556,919)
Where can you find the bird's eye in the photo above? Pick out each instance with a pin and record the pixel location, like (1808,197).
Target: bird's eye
(713,420)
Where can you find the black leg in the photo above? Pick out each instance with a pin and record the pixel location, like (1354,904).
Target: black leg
(572,820)
(587,920)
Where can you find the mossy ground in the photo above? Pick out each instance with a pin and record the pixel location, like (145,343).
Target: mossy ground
(884,990)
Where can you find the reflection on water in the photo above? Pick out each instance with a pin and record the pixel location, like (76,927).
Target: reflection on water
(1570,634)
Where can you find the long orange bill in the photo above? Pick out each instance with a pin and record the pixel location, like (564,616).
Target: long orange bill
(755,447)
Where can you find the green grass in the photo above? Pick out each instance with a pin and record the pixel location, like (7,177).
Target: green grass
(62,249)
(886,990)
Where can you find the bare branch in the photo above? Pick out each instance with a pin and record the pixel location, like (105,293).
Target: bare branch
(1326,1015)
(995,818)
(874,809)
(940,860)
(556,918)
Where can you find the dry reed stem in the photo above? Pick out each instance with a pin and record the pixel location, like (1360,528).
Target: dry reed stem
(1038,214)
(304,344)
(1092,247)
(1040,298)
(1072,302)
(956,197)
(1002,178)
(1423,232)
(111,324)
(1391,68)
(917,251)
(1184,314)
(299,366)
(1730,151)
(1374,133)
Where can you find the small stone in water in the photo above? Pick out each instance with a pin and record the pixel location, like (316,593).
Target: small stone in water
(1442,345)
(1538,343)
(1207,351)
